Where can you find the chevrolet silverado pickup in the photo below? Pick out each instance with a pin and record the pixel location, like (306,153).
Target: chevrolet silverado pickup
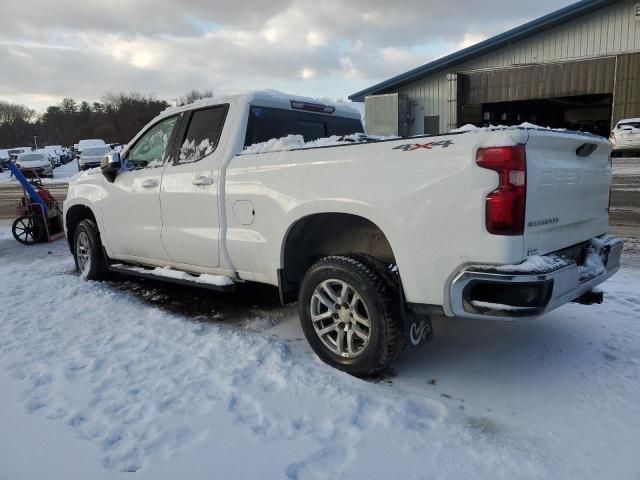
(372,237)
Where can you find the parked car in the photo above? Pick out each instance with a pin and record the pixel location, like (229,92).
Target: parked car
(51,156)
(57,152)
(35,164)
(625,137)
(371,237)
(5,159)
(91,157)
(15,152)
(92,142)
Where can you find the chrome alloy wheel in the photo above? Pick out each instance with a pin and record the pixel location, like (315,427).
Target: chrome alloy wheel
(340,318)
(83,253)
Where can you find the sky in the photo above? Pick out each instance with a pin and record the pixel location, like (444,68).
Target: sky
(321,48)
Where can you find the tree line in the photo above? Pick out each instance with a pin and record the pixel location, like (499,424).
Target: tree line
(117,118)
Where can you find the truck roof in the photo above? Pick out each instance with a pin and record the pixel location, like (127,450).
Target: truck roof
(266,98)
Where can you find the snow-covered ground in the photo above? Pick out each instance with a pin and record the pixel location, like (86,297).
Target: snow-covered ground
(102,379)
(61,174)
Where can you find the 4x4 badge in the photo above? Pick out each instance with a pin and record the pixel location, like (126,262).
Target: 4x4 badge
(408,147)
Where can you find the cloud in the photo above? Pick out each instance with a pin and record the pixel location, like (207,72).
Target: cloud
(322,48)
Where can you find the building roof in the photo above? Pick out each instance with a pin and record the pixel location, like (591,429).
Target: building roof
(534,27)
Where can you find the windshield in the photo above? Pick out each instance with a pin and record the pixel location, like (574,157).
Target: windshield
(31,157)
(95,151)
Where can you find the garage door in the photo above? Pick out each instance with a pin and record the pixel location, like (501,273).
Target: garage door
(540,81)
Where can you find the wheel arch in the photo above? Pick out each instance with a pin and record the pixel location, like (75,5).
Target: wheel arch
(322,234)
(73,216)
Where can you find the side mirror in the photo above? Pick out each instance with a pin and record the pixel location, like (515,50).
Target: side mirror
(110,165)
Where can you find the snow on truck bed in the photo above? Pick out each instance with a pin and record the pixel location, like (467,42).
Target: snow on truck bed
(297,142)
(98,382)
(502,135)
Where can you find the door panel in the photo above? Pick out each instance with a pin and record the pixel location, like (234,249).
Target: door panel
(189,192)
(132,213)
(131,208)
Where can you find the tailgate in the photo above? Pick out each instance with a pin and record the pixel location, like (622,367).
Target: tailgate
(567,190)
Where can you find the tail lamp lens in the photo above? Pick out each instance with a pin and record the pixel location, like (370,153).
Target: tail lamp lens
(505,206)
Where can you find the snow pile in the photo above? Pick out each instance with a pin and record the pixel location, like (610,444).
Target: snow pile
(168,272)
(465,128)
(190,152)
(593,264)
(497,306)
(526,125)
(296,142)
(533,264)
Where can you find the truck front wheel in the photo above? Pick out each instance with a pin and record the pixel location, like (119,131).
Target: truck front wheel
(350,316)
(87,252)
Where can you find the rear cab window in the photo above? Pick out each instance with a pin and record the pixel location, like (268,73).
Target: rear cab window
(266,123)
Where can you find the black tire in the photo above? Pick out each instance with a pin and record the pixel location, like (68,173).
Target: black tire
(87,252)
(28,230)
(379,301)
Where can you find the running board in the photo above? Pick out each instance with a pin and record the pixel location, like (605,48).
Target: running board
(218,283)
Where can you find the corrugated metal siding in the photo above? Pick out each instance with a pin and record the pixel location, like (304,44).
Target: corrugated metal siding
(608,31)
(626,98)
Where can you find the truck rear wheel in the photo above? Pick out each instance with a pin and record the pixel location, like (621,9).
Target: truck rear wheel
(87,252)
(350,316)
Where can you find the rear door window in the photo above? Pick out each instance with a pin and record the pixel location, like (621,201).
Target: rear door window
(203,134)
(266,123)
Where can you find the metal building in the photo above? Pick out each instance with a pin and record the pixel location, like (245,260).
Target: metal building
(577,68)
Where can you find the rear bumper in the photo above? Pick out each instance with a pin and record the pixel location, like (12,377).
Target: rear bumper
(512,292)
(89,164)
(626,147)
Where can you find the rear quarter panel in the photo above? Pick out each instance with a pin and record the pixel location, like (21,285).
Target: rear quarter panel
(425,194)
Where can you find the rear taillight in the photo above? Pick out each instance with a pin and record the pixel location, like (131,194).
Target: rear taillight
(505,206)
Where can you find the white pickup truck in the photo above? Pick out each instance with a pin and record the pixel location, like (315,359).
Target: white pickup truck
(371,237)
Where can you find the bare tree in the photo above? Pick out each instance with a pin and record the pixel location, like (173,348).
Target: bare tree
(194,95)
(118,119)
(13,112)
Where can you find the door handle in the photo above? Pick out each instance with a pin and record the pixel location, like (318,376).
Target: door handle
(150,183)
(202,180)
